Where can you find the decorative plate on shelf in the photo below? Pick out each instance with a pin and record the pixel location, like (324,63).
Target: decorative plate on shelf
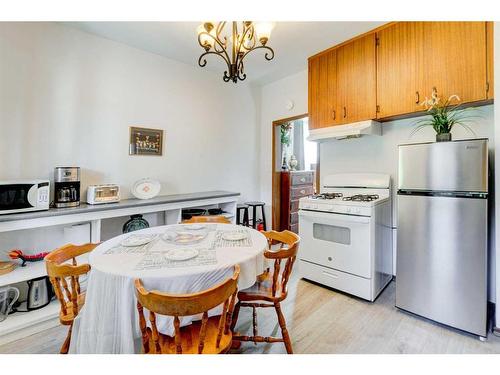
(181,254)
(137,240)
(146,188)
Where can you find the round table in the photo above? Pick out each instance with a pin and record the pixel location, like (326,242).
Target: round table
(108,322)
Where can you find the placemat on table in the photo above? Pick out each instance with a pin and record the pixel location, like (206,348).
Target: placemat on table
(120,249)
(220,242)
(157,259)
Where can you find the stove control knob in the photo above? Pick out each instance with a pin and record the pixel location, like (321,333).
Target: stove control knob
(315,207)
(329,208)
(348,210)
(358,211)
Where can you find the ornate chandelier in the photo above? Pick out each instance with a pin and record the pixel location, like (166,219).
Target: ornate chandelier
(236,47)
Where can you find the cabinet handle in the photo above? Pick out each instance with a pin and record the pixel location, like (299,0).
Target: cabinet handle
(302,191)
(345,112)
(334,114)
(303,179)
(417,97)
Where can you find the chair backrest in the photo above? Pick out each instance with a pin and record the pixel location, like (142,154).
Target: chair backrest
(64,276)
(289,245)
(207,219)
(179,305)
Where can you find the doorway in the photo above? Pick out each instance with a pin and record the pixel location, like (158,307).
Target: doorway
(292,154)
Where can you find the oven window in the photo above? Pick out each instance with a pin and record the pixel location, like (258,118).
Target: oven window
(332,233)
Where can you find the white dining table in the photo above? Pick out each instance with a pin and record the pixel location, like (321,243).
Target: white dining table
(108,322)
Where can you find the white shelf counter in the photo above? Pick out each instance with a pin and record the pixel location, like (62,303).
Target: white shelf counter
(19,325)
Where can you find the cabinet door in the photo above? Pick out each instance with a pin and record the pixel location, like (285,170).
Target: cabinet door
(397,70)
(322,90)
(452,59)
(356,80)
(489,61)
(313,94)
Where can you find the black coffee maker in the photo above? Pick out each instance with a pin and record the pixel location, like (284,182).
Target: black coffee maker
(67,187)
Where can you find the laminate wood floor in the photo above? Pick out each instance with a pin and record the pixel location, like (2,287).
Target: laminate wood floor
(321,320)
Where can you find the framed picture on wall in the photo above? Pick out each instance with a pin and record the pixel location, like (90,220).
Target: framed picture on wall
(145,141)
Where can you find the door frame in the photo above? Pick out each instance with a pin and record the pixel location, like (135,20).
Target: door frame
(276,188)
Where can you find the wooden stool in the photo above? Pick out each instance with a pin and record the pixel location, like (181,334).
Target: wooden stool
(254,206)
(244,208)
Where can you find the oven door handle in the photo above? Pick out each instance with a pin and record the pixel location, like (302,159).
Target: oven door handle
(329,217)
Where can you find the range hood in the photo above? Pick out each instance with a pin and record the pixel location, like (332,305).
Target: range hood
(354,130)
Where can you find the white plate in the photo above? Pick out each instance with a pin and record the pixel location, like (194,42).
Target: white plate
(195,226)
(184,238)
(181,254)
(234,236)
(138,240)
(146,188)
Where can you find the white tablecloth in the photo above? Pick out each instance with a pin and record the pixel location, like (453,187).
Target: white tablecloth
(108,322)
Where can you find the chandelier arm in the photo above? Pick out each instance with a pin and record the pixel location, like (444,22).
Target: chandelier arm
(240,42)
(222,44)
(217,42)
(202,61)
(268,56)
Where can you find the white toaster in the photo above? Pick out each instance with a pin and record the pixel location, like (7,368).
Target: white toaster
(99,194)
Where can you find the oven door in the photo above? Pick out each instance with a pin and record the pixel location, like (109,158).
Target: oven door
(337,241)
(17,197)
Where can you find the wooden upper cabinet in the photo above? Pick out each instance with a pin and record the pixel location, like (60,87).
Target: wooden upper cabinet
(390,72)
(356,80)
(322,90)
(397,70)
(489,60)
(313,94)
(452,59)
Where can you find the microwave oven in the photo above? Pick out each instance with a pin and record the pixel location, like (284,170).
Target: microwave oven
(23,196)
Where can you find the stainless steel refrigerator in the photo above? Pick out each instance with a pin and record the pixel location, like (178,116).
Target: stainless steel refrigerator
(442,233)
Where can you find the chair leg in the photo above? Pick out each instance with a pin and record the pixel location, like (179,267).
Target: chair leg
(65,346)
(236,312)
(284,330)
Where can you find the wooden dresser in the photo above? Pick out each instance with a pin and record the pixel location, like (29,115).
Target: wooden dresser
(294,185)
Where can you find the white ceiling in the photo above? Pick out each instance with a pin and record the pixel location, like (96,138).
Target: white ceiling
(292,42)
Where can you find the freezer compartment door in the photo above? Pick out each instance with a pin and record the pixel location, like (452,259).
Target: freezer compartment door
(441,271)
(460,166)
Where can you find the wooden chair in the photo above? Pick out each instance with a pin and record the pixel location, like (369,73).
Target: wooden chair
(208,336)
(64,277)
(207,219)
(271,287)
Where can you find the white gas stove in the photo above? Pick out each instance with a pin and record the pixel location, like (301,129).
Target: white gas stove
(346,235)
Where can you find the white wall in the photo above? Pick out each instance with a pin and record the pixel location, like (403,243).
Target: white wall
(273,106)
(68,98)
(366,154)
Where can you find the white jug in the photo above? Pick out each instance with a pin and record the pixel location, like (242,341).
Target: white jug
(8,296)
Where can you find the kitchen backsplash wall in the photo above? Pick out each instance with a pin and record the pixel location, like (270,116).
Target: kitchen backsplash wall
(376,154)
(68,98)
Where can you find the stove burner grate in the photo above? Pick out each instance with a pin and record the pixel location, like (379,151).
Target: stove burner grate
(361,198)
(327,196)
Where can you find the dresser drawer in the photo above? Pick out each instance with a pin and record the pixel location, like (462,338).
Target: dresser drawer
(294,228)
(294,206)
(294,218)
(301,191)
(302,178)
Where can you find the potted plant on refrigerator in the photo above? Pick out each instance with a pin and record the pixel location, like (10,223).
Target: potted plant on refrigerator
(444,115)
